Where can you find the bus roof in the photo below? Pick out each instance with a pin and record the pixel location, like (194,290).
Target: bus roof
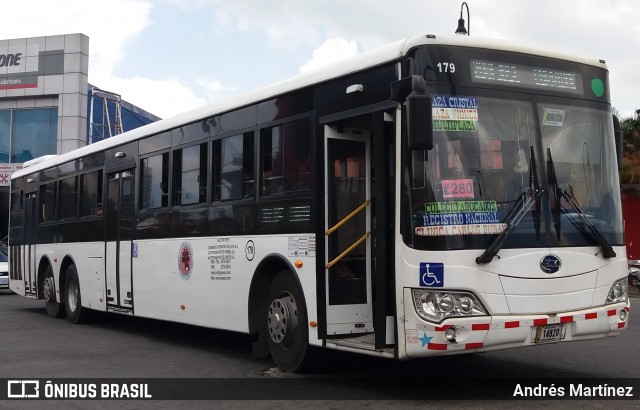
(382,55)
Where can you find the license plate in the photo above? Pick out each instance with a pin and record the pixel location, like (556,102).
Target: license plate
(549,333)
(4,281)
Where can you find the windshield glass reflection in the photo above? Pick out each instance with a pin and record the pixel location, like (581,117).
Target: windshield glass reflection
(479,168)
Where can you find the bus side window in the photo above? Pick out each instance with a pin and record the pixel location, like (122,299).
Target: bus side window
(68,197)
(190,175)
(91,194)
(48,204)
(154,181)
(233,167)
(285,158)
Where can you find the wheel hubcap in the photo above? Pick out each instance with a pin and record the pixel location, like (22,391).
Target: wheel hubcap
(48,290)
(283,320)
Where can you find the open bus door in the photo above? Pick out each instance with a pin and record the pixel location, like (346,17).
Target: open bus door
(348,230)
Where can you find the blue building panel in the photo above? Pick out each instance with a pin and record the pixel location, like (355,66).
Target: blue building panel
(101,123)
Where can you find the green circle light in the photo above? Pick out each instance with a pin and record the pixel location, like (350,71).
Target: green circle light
(597,86)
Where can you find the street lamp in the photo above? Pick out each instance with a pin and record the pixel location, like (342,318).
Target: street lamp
(461,29)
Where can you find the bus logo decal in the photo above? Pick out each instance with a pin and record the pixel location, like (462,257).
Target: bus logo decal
(550,264)
(431,274)
(185,260)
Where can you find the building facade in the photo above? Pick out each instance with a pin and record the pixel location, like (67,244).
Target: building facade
(48,107)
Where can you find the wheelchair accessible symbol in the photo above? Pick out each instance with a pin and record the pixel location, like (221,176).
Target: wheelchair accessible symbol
(431,274)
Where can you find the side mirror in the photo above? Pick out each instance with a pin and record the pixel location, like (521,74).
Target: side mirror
(618,137)
(419,117)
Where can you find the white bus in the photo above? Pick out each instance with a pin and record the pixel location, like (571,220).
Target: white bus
(440,195)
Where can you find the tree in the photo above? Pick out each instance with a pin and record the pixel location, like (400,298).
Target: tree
(630,173)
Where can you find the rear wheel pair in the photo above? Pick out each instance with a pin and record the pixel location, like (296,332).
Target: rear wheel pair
(71,301)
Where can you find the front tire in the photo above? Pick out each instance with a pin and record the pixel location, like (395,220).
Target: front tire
(54,309)
(72,298)
(286,327)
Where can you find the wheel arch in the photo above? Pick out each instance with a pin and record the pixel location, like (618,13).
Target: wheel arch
(263,275)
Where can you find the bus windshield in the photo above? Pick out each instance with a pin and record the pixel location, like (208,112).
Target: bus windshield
(466,189)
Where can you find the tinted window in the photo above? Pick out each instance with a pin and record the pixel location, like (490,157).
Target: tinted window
(155,143)
(91,194)
(16,200)
(233,121)
(285,152)
(233,167)
(192,132)
(48,202)
(288,105)
(190,175)
(68,197)
(154,177)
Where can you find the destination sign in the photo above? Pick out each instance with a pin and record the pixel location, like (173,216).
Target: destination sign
(517,75)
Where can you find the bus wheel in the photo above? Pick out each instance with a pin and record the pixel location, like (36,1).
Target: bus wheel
(288,335)
(72,300)
(54,309)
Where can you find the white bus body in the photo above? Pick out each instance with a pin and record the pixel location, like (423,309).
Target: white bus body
(315,221)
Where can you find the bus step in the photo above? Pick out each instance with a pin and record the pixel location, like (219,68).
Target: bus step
(366,342)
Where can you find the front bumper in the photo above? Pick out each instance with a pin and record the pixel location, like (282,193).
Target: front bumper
(483,333)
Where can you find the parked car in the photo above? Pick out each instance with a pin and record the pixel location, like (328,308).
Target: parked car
(4,268)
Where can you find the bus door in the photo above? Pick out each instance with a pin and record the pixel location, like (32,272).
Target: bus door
(348,230)
(30,226)
(118,241)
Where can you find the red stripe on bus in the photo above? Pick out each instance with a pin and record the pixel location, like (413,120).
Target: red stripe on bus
(620,325)
(473,345)
(591,316)
(509,325)
(480,326)
(566,319)
(437,346)
(540,322)
(611,312)
(443,328)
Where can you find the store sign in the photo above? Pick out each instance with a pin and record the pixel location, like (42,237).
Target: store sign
(17,74)
(8,60)
(6,170)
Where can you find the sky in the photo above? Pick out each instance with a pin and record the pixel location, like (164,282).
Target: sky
(170,56)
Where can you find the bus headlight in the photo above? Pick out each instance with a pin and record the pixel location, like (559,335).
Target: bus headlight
(618,292)
(436,306)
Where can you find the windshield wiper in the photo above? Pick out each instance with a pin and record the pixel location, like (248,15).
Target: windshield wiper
(515,215)
(607,249)
(552,180)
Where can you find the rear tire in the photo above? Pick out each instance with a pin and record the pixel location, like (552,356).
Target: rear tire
(54,309)
(72,299)
(286,324)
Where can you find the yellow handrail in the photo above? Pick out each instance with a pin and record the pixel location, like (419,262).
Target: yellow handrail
(346,218)
(349,249)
